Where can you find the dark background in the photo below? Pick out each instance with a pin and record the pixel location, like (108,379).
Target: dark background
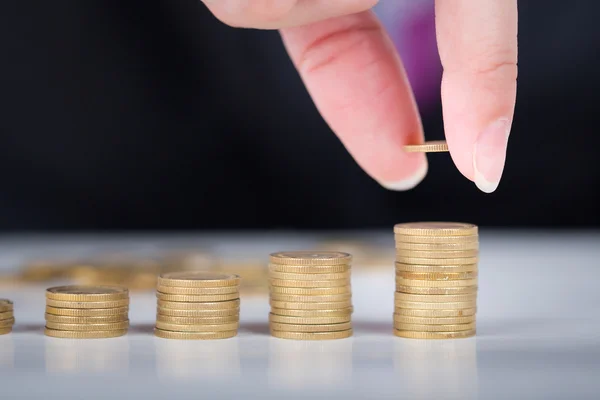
(154,115)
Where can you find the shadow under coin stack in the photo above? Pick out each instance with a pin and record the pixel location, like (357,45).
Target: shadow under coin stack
(7,317)
(310,295)
(436,280)
(87,312)
(197,305)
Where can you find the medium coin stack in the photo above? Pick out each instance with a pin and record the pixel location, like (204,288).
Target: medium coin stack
(197,305)
(310,295)
(7,317)
(436,280)
(87,312)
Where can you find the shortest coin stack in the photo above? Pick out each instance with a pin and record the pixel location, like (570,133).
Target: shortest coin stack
(87,312)
(310,295)
(7,317)
(196,305)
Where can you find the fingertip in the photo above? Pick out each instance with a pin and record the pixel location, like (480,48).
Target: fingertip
(411,181)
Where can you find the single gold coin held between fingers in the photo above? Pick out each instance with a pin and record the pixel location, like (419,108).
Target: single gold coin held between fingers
(435,298)
(198,291)
(5,331)
(401,326)
(342,312)
(287,276)
(63,319)
(437,276)
(87,304)
(291,305)
(463,312)
(436,268)
(197,320)
(276,326)
(436,261)
(310,269)
(6,315)
(99,312)
(311,299)
(433,146)
(7,323)
(198,279)
(87,327)
(87,293)
(198,313)
(194,335)
(434,306)
(440,284)
(433,321)
(402,246)
(84,335)
(311,291)
(308,320)
(211,305)
(435,335)
(6,305)
(436,229)
(446,255)
(311,336)
(310,258)
(309,284)
(197,299)
(437,239)
(197,328)
(434,290)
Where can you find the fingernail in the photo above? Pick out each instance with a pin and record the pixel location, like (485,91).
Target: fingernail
(410,182)
(489,155)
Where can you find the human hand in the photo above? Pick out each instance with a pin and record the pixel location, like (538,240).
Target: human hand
(356,79)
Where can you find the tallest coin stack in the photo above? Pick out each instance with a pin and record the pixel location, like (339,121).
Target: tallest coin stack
(436,280)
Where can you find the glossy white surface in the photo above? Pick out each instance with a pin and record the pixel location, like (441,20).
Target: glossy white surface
(538,336)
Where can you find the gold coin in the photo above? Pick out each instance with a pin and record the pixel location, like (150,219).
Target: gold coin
(436,261)
(214,305)
(275,275)
(308,320)
(184,298)
(4,331)
(198,313)
(63,319)
(198,291)
(433,321)
(435,298)
(437,246)
(311,299)
(311,291)
(436,268)
(87,293)
(433,146)
(276,326)
(446,255)
(435,290)
(87,304)
(436,229)
(84,335)
(87,327)
(7,323)
(6,305)
(198,320)
(290,305)
(309,284)
(100,312)
(435,335)
(402,326)
(310,269)
(436,239)
(312,336)
(440,284)
(434,306)
(437,276)
(310,258)
(198,279)
(6,315)
(194,335)
(165,326)
(436,313)
(342,312)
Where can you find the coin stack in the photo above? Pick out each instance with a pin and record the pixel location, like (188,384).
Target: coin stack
(7,317)
(197,305)
(310,295)
(436,280)
(87,312)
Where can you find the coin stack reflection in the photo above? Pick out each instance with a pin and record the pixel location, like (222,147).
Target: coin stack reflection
(7,317)
(310,295)
(436,280)
(87,312)
(197,305)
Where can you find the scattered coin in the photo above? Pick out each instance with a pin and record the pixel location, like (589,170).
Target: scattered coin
(433,146)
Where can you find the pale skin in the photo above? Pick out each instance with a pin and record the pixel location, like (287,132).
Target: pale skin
(356,79)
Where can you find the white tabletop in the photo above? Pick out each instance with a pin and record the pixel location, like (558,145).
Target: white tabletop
(538,335)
